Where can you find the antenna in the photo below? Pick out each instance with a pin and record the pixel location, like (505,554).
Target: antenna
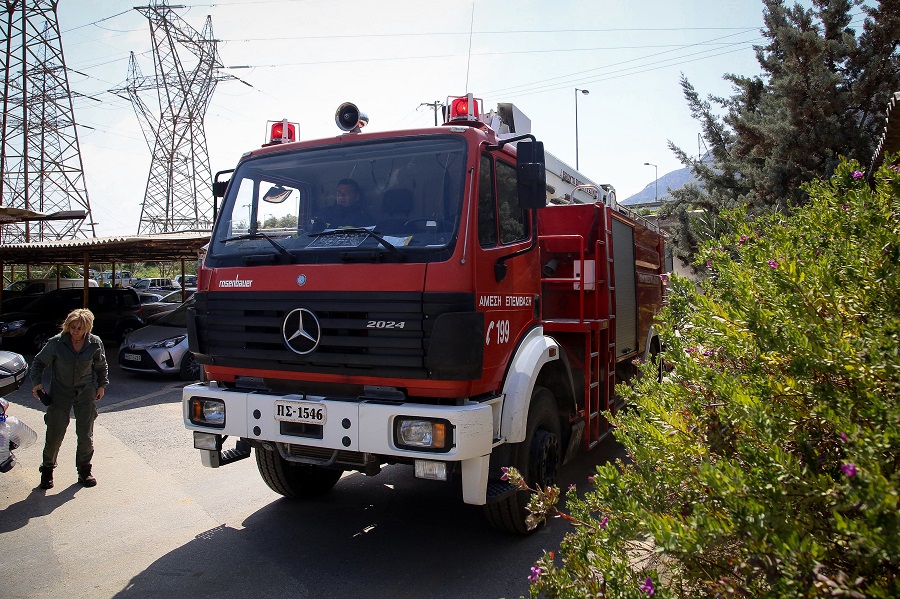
(469,58)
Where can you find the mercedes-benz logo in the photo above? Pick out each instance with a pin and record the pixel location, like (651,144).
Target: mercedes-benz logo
(301,331)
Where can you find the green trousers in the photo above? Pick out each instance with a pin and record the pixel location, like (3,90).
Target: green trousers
(57,420)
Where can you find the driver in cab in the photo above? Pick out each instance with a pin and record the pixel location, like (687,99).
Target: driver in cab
(347,210)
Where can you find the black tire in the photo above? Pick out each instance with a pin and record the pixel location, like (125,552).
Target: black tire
(38,339)
(537,458)
(656,360)
(124,329)
(297,481)
(190,368)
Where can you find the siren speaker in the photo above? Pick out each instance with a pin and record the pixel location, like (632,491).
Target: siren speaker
(349,118)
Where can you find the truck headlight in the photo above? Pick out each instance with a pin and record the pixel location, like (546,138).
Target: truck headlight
(207,441)
(207,412)
(428,434)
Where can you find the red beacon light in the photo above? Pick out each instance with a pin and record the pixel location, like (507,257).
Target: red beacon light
(281,132)
(465,108)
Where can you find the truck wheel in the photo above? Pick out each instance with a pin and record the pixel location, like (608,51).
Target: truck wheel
(537,459)
(298,481)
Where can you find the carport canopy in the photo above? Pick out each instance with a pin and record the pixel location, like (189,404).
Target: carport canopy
(161,247)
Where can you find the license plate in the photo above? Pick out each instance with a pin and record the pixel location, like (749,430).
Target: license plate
(132,357)
(305,412)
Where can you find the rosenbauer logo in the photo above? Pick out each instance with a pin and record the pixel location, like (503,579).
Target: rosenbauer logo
(236,282)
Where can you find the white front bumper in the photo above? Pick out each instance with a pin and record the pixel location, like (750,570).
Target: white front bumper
(359,425)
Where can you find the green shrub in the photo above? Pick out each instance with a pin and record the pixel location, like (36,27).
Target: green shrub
(765,463)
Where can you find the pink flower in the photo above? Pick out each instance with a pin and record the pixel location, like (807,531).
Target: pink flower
(844,437)
(505,475)
(535,574)
(844,207)
(849,469)
(604,521)
(773,263)
(857,174)
(572,487)
(590,479)
(647,587)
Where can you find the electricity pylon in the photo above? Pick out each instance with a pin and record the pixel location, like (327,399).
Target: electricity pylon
(178,195)
(40,159)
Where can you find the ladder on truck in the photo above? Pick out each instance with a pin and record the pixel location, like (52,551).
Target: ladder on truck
(594,280)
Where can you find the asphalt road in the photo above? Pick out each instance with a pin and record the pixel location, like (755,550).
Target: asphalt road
(160,524)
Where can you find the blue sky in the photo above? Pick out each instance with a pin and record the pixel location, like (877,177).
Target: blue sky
(305,57)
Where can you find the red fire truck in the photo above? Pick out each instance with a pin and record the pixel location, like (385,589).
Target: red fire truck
(448,298)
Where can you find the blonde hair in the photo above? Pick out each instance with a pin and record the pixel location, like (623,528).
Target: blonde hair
(81,315)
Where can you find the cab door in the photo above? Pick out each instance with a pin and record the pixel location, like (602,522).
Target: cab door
(510,304)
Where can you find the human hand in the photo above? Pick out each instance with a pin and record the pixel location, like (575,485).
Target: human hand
(99,394)
(35,389)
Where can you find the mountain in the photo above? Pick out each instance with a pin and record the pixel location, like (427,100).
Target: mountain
(674,180)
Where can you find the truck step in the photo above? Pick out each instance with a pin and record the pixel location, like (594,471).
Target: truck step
(498,490)
(240,451)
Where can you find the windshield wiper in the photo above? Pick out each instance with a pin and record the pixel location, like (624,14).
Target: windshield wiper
(260,234)
(391,247)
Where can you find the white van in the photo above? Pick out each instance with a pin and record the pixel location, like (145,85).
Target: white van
(35,286)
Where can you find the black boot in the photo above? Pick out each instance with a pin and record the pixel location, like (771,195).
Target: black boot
(85,477)
(46,477)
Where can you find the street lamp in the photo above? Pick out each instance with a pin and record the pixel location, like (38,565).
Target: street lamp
(655,177)
(585,92)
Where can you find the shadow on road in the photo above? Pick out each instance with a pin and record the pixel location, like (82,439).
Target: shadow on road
(367,538)
(37,504)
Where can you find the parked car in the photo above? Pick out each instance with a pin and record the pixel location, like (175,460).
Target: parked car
(13,369)
(19,294)
(158,283)
(189,281)
(123,279)
(166,303)
(117,312)
(37,286)
(161,347)
(149,297)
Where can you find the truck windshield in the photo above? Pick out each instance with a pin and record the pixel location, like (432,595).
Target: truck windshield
(385,200)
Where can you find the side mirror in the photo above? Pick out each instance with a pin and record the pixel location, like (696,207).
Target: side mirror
(531,175)
(219,187)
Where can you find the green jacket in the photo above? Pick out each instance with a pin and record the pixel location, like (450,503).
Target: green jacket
(71,372)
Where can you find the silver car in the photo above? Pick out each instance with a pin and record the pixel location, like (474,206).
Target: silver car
(161,347)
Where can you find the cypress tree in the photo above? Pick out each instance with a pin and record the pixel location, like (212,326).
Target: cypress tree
(821,95)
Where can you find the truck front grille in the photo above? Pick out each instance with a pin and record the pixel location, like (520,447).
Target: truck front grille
(362,334)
